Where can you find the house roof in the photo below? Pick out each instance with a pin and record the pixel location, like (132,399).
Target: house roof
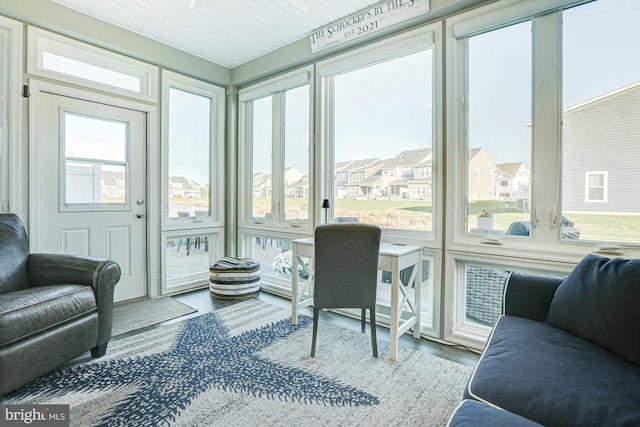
(408,158)
(184,183)
(605,97)
(510,169)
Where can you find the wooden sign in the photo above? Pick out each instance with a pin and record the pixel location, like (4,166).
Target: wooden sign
(366,21)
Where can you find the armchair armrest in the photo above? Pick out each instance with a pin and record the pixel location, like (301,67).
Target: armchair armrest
(58,269)
(61,269)
(529,296)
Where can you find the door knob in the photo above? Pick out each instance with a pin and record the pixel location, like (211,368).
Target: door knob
(140,215)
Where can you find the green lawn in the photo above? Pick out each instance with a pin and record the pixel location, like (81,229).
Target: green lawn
(416,215)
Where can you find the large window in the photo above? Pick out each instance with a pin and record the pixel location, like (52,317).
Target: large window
(275,138)
(193,181)
(543,102)
(379,129)
(499,116)
(194,152)
(190,159)
(383,143)
(600,125)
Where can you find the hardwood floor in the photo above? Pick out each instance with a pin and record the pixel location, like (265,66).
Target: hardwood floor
(204,302)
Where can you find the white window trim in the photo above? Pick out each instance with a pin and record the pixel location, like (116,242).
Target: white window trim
(279,84)
(14,191)
(217,152)
(413,41)
(503,13)
(456,327)
(41,41)
(587,187)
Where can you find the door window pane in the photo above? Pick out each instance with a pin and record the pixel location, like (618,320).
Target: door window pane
(296,154)
(383,144)
(189,160)
(261,147)
(499,119)
(95,138)
(600,127)
(89,183)
(95,157)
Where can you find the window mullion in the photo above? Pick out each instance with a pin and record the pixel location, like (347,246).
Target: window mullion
(545,132)
(277,161)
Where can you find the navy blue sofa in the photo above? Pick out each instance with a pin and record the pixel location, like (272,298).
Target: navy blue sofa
(564,352)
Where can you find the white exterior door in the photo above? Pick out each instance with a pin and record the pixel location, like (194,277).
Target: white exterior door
(87,186)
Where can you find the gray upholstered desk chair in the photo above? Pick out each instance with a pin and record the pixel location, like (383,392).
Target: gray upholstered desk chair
(346,270)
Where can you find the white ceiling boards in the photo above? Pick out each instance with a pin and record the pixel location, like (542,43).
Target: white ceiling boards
(227,32)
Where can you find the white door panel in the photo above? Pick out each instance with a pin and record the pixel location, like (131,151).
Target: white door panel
(90,184)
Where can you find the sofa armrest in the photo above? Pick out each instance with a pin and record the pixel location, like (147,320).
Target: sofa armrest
(101,274)
(529,296)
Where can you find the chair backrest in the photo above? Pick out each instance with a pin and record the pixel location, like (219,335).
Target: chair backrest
(14,252)
(346,265)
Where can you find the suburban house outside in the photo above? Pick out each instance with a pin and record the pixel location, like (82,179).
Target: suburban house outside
(262,184)
(409,176)
(297,183)
(180,186)
(352,174)
(113,184)
(512,181)
(482,175)
(600,142)
(410,172)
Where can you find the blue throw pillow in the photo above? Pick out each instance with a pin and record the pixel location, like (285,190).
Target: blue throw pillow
(600,302)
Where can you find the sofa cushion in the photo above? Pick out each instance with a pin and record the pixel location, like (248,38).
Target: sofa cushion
(598,301)
(472,413)
(27,312)
(555,378)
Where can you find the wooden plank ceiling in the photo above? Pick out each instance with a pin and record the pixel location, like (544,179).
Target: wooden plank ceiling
(227,32)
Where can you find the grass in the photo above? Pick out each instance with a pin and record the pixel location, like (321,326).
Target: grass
(416,215)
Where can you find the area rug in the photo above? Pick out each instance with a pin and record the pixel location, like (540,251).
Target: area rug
(246,365)
(130,316)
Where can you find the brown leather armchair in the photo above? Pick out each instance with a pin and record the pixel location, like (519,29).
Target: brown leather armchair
(53,307)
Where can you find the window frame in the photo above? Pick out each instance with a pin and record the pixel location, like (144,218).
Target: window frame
(545,250)
(41,41)
(94,206)
(546,16)
(13,169)
(277,86)
(216,154)
(426,37)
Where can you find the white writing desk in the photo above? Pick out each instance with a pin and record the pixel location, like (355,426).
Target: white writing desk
(393,258)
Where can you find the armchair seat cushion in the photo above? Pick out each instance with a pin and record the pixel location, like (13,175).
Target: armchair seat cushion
(28,312)
(555,378)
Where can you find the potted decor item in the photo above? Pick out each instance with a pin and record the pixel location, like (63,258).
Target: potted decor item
(485,221)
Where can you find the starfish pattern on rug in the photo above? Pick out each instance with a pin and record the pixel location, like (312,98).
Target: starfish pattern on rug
(204,355)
